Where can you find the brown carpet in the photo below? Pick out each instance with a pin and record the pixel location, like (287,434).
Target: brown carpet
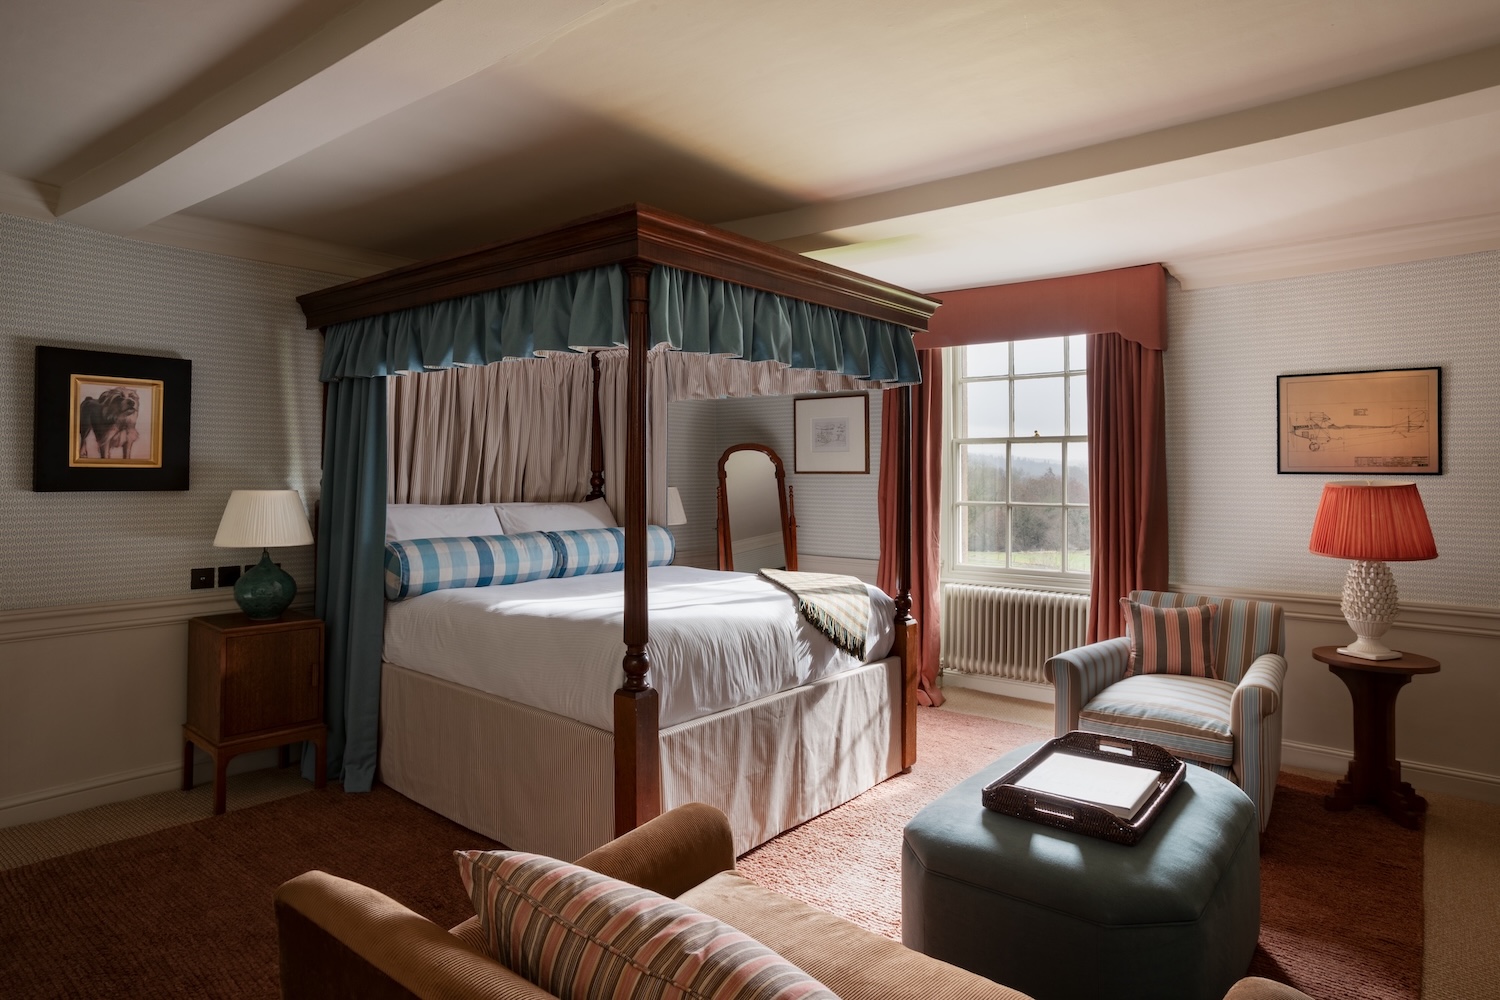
(1341,893)
(1341,899)
(186,911)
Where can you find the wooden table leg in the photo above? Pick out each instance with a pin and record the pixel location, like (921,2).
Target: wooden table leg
(1374,774)
(187,764)
(320,763)
(221,765)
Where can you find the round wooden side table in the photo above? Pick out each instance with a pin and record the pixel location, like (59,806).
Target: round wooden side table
(1374,774)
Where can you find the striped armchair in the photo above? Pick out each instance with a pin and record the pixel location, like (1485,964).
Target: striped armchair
(1231,725)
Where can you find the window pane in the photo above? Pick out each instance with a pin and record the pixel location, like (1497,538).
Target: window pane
(987,409)
(1036,538)
(1036,356)
(983,469)
(1036,473)
(1078,355)
(1039,407)
(981,530)
(1078,472)
(987,359)
(1078,405)
(1078,539)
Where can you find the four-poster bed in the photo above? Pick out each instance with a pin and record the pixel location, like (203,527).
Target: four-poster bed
(638,277)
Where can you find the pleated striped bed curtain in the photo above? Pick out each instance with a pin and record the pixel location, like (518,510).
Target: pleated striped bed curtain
(575,312)
(522,430)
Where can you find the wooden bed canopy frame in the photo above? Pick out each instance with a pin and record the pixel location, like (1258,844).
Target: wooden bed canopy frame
(637,238)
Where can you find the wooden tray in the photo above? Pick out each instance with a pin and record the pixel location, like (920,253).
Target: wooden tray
(1075,815)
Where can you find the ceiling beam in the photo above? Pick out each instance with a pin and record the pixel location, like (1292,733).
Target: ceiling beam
(379,56)
(1447,89)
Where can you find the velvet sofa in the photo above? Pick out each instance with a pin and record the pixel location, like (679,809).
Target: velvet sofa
(341,939)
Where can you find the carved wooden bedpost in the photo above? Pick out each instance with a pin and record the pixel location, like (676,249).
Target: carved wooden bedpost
(637,743)
(596,440)
(907,644)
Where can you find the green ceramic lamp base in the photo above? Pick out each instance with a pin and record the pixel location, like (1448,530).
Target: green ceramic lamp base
(264,592)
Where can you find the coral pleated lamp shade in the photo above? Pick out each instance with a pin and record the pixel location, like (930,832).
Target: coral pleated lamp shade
(1374,521)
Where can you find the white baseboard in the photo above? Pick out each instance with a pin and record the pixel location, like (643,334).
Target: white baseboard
(1423,777)
(1023,690)
(61,800)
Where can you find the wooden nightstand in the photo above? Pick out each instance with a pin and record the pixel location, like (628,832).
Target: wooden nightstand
(253,685)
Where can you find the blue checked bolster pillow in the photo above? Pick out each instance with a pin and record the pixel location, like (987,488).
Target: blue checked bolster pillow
(421,565)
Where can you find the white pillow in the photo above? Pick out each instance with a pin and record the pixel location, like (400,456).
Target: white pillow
(438,520)
(518,517)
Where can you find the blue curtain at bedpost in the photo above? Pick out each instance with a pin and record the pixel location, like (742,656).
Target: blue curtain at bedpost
(351,576)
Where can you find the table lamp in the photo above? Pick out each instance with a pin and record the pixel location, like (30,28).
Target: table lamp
(1371,523)
(675,513)
(261,519)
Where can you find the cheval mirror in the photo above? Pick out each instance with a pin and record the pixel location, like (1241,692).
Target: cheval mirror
(757,525)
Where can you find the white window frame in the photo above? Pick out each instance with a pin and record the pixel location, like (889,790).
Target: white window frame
(951,568)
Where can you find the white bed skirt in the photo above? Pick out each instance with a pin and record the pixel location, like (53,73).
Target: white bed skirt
(539,782)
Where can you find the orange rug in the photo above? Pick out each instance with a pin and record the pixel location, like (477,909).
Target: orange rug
(1341,893)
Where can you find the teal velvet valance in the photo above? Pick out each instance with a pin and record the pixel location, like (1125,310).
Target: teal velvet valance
(586,309)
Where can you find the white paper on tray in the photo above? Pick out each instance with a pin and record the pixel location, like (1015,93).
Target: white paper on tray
(1120,788)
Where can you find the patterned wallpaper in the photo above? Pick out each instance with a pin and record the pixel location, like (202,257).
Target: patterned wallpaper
(256,408)
(836,515)
(1235,521)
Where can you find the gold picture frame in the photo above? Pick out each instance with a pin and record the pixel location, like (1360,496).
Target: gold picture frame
(114,422)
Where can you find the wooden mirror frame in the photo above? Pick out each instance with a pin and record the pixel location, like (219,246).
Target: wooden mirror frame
(783,494)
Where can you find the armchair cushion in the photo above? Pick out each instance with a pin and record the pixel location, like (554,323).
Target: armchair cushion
(1171,640)
(580,934)
(1189,716)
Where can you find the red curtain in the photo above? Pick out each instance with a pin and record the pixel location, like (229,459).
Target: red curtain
(1125,313)
(927,485)
(1130,301)
(1127,477)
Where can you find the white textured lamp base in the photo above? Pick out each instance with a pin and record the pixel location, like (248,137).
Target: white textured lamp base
(1369,606)
(1372,651)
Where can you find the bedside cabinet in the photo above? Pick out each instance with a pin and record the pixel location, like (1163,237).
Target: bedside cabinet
(253,685)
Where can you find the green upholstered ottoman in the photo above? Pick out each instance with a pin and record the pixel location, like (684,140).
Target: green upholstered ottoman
(1061,916)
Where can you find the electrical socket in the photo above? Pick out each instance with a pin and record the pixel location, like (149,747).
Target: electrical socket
(202,579)
(228,575)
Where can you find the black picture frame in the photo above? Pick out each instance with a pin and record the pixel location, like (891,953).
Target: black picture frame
(107,421)
(1384,422)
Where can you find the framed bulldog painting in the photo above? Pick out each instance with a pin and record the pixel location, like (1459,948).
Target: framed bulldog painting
(110,421)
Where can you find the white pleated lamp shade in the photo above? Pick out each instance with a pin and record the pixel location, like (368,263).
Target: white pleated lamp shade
(255,519)
(675,513)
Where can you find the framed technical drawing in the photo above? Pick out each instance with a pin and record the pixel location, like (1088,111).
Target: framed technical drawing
(1380,423)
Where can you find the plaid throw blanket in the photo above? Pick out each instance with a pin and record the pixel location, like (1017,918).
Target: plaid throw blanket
(834,604)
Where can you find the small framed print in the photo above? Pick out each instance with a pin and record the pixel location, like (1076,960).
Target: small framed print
(110,421)
(832,433)
(1377,423)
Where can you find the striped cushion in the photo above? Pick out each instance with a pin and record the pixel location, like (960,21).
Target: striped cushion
(1171,640)
(576,933)
(602,550)
(1247,629)
(421,565)
(1187,715)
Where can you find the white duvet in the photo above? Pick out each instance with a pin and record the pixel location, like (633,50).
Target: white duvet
(717,640)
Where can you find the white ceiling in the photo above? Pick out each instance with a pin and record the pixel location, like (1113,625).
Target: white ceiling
(938,145)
